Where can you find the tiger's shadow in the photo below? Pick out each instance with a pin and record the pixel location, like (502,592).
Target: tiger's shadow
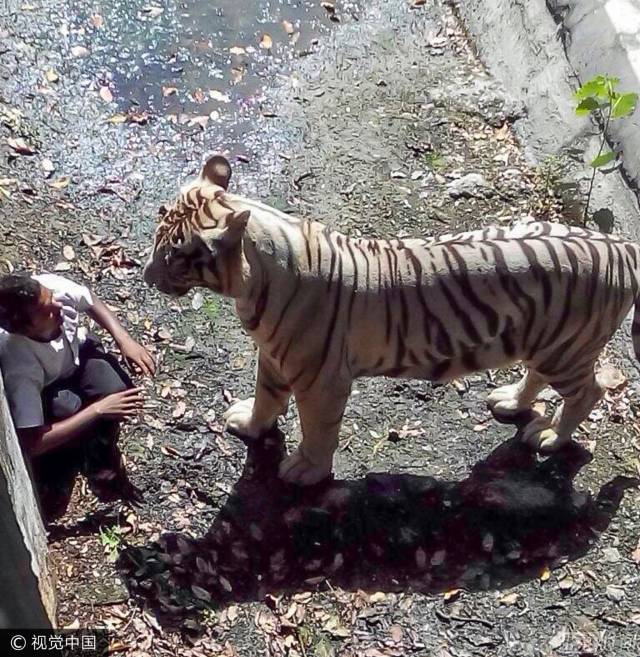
(512,516)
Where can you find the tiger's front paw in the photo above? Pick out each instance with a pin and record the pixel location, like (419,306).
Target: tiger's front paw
(298,469)
(239,419)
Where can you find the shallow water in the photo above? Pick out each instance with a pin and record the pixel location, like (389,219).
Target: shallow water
(201,58)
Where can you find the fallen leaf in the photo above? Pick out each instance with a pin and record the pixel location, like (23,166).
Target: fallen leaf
(96,20)
(20,146)
(566,584)
(169,91)
(62,266)
(508,599)
(79,51)
(418,3)
(199,120)
(452,595)
(329,7)
(61,183)
(545,574)
(167,450)
(615,593)
(47,166)
(198,96)
(237,50)
(106,95)
(266,42)
(219,96)
(179,410)
(288,27)
(51,75)
(117,118)
(396,633)
(198,301)
(152,11)
(91,240)
(68,252)
(558,639)
(611,378)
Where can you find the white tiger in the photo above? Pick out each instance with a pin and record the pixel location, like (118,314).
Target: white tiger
(324,309)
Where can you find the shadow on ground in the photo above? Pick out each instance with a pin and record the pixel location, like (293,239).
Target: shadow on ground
(512,516)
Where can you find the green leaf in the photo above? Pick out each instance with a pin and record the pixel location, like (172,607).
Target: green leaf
(603,159)
(624,105)
(600,86)
(586,106)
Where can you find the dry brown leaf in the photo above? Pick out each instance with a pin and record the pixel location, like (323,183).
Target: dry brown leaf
(452,595)
(106,95)
(288,27)
(169,91)
(167,450)
(20,146)
(96,20)
(418,3)
(266,42)
(237,50)
(198,96)
(545,574)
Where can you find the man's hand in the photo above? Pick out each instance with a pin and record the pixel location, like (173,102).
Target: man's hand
(135,354)
(119,405)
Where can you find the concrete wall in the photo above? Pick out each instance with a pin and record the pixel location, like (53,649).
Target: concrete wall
(27,595)
(603,36)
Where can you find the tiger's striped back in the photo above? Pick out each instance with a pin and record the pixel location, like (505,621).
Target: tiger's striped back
(325,308)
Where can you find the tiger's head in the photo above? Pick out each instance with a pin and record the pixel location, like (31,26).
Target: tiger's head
(198,239)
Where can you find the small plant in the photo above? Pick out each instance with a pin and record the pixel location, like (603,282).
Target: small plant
(111,540)
(599,98)
(211,309)
(434,160)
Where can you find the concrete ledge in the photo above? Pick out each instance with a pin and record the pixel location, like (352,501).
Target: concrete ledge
(27,594)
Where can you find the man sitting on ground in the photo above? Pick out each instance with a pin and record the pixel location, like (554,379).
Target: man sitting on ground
(66,395)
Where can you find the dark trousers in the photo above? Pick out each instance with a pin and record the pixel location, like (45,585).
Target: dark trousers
(95,452)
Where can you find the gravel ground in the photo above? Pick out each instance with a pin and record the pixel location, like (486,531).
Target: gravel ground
(440,534)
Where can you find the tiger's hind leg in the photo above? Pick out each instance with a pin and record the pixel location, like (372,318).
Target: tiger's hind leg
(511,400)
(321,412)
(256,415)
(580,394)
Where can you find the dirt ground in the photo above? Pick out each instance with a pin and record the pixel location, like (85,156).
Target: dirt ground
(440,534)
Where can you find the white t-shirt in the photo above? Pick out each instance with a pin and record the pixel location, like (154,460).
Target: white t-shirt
(28,366)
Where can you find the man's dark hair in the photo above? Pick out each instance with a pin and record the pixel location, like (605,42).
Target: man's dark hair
(19,293)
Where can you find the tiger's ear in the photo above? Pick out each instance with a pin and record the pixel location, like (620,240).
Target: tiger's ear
(236,224)
(217,170)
